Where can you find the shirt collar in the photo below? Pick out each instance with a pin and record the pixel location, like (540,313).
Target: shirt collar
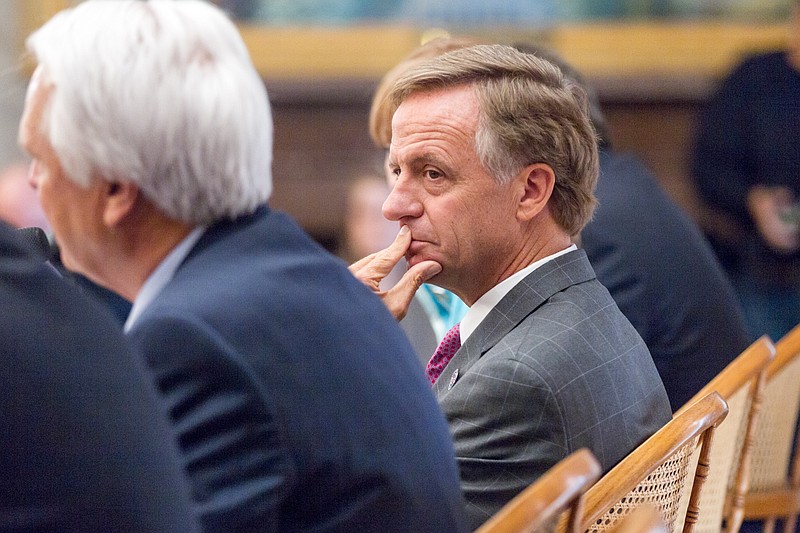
(478,311)
(161,276)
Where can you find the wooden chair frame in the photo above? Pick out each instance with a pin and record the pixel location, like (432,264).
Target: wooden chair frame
(560,488)
(693,426)
(741,385)
(781,501)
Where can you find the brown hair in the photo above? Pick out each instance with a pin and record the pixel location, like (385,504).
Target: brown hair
(530,113)
(381,111)
(595,111)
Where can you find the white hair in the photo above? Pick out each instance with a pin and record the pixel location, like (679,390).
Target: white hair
(162,94)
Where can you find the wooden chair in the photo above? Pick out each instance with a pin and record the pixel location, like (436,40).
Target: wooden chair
(741,385)
(775,471)
(657,472)
(560,488)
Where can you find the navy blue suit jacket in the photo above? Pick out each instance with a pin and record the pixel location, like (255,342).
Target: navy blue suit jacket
(664,277)
(298,402)
(84,442)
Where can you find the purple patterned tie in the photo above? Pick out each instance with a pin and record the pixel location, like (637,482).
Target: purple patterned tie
(446,350)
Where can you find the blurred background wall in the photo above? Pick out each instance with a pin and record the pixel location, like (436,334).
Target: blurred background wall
(12,84)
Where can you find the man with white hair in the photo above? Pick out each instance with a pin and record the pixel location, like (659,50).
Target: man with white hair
(296,400)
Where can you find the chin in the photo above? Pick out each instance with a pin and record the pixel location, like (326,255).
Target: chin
(68,262)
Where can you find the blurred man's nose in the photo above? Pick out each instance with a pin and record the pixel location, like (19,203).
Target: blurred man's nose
(33,174)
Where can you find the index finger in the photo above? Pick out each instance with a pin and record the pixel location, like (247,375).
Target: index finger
(379,264)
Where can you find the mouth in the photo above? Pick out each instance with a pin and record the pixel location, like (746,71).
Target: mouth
(416,252)
(416,247)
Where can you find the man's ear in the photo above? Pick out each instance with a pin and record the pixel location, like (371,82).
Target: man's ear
(119,201)
(537,181)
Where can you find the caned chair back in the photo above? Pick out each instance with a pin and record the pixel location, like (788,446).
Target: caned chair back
(657,472)
(644,519)
(775,473)
(560,489)
(741,385)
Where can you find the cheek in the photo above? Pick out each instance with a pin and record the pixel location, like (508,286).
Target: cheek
(46,195)
(456,227)
(54,198)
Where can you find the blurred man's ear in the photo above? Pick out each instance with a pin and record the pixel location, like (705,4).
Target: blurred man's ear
(120,199)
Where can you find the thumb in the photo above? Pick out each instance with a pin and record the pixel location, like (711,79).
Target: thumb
(420,273)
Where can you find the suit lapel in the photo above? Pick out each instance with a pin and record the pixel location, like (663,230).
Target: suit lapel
(530,293)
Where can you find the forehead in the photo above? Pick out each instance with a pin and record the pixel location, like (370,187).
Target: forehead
(443,116)
(35,101)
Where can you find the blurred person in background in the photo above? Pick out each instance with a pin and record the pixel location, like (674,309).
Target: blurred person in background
(747,167)
(367,231)
(297,402)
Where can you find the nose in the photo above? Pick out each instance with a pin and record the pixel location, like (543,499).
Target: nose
(33,174)
(403,201)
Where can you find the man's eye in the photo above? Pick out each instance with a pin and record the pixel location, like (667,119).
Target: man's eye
(433,174)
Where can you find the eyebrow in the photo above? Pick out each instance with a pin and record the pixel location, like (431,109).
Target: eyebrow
(422,159)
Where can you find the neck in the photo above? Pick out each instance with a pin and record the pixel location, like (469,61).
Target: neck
(536,243)
(136,251)
(535,248)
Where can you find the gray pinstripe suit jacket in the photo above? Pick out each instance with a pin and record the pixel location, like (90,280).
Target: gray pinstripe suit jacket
(554,367)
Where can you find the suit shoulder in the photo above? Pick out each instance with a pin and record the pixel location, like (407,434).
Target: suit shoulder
(575,330)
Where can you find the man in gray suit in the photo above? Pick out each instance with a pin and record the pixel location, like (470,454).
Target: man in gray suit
(494,162)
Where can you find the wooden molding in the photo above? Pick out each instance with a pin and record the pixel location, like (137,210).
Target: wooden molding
(609,49)
(693,51)
(33,13)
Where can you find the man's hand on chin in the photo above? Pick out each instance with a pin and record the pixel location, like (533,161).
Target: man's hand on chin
(372,269)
